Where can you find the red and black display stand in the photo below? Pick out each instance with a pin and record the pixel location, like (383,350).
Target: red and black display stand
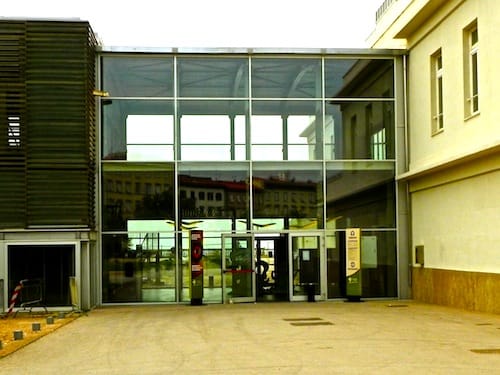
(196,264)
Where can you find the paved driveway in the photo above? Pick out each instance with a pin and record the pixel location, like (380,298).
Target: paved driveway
(381,337)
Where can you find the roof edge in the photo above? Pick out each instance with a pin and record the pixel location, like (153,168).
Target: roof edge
(256,51)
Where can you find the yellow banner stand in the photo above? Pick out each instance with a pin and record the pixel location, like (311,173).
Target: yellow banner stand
(353,264)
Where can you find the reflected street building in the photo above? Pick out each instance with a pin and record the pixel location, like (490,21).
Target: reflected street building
(272,156)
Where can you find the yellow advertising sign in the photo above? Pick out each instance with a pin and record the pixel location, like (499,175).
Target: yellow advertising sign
(353,247)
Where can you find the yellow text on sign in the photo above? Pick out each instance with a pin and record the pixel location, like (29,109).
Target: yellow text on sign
(353,256)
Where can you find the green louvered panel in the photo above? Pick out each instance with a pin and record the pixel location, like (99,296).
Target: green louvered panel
(58,135)
(12,157)
(91,120)
(12,91)
(12,57)
(47,123)
(12,197)
(63,200)
(12,125)
(60,155)
(57,86)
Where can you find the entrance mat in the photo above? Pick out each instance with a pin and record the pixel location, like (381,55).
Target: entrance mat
(486,351)
(300,319)
(302,324)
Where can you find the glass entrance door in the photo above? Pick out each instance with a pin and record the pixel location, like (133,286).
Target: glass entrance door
(306,270)
(271,267)
(238,265)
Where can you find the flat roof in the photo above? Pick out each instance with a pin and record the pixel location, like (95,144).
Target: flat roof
(255,51)
(43,19)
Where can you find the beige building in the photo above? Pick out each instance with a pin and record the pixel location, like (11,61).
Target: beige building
(453,140)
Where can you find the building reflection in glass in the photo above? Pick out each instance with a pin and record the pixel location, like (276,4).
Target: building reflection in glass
(244,144)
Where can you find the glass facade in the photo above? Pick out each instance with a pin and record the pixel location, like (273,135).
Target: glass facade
(286,151)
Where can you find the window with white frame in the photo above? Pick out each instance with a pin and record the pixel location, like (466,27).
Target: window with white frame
(437,92)
(471,69)
(378,143)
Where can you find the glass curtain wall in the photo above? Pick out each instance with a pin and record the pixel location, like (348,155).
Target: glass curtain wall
(242,144)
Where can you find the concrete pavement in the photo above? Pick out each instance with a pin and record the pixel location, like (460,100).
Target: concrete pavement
(375,337)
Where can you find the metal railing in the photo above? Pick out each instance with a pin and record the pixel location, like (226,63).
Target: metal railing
(383,8)
(31,295)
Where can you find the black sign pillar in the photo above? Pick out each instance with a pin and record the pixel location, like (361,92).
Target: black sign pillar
(196,263)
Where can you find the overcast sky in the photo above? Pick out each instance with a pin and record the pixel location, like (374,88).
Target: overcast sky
(214,23)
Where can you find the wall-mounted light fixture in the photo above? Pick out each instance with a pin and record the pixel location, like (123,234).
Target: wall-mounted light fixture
(100,93)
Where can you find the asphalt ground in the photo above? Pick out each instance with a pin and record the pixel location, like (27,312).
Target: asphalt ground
(371,337)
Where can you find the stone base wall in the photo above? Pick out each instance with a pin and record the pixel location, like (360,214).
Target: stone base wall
(475,291)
